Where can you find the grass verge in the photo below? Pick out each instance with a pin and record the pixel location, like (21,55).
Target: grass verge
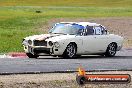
(17,22)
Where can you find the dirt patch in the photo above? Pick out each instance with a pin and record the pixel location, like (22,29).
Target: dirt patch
(121,26)
(55,80)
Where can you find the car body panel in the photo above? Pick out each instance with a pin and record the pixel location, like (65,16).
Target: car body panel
(90,44)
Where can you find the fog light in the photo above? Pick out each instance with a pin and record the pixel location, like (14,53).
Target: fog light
(25,47)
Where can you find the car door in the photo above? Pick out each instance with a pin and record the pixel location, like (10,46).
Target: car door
(95,42)
(89,44)
(101,39)
(88,40)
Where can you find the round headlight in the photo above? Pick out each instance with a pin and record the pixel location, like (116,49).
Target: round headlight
(56,44)
(29,42)
(50,43)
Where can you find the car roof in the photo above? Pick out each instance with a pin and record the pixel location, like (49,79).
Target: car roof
(82,23)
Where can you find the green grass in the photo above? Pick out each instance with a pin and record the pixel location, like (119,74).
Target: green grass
(94,3)
(15,25)
(18,18)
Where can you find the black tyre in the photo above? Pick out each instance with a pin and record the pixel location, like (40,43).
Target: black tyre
(80,80)
(54,56)
(111,50)
(78,56)
(31,55)
(70,51)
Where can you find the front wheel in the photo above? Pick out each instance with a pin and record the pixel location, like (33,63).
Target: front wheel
(31,55)
(70,51)
(111,50)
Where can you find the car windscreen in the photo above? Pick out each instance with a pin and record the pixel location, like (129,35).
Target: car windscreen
(64,28)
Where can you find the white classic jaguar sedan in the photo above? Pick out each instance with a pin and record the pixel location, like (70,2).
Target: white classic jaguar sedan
(72,39)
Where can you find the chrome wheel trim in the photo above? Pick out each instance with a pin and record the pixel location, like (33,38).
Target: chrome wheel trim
(112,49)
(71,50)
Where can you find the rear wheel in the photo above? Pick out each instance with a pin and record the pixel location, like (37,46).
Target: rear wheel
(31,55)
(70,51)
(111,50)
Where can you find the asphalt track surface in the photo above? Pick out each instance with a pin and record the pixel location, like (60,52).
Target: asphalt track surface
(122,61)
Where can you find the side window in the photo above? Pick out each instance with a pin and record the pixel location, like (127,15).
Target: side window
(104,31)
(89,30)
(82,32)
(98,30)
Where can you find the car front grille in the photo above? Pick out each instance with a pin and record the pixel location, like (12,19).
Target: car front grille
(42,50)
(40,43)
